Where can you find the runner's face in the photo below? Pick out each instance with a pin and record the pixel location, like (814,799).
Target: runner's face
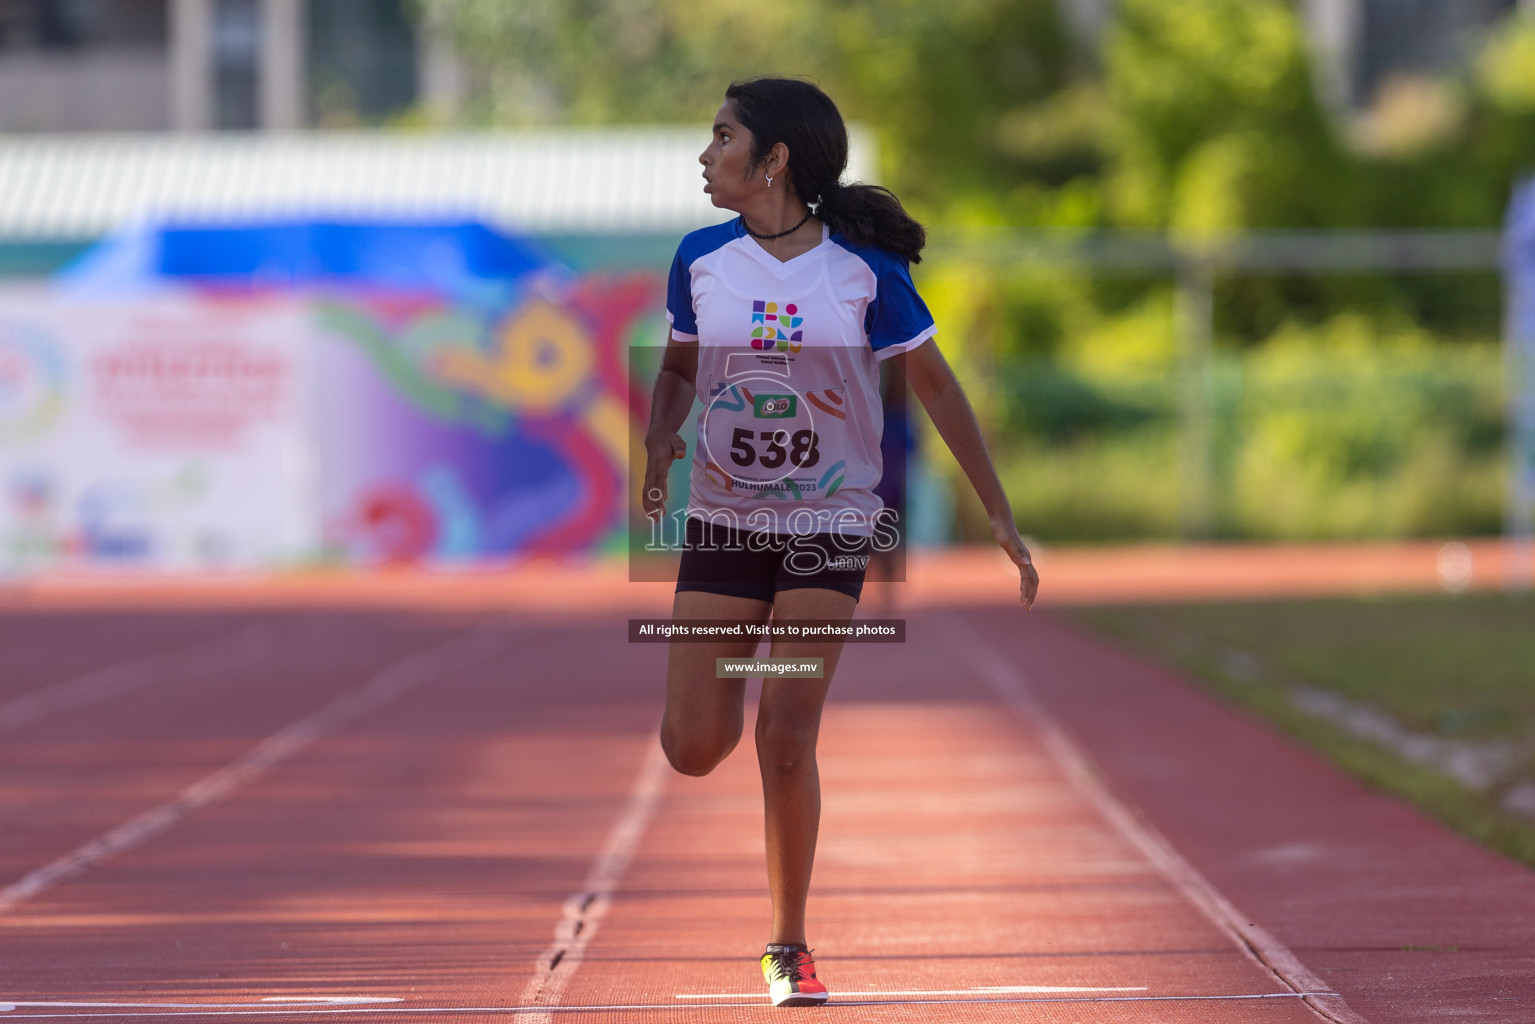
(728,171)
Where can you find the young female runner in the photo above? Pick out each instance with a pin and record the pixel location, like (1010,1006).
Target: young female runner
(779,319)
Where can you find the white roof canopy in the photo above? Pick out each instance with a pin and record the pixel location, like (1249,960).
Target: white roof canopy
(609,180)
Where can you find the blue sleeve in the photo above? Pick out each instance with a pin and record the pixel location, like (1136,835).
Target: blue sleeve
(679,299)
(897,319)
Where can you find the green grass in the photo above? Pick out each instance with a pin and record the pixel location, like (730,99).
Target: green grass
(1458,666)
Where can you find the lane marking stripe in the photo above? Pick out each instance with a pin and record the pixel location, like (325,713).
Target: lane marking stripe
(979,990)
(1011,684)
(583,911)
(456,655)
(212,1009)
(135,673)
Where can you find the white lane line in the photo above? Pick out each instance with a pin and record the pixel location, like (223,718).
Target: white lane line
(583,911)
(456,655)
(134,674)
(1012,686)
(978,990)
(213,1010)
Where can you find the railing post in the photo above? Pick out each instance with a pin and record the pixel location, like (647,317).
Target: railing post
(1194,317)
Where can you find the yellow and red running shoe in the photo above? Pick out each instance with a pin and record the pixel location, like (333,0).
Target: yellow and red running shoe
(790,974)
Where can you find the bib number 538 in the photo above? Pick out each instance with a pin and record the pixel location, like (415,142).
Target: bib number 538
(803,448)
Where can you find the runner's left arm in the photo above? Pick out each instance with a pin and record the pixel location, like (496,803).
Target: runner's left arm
(936,388)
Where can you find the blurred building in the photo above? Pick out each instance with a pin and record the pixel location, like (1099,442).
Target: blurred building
(1360,44)
(194,65)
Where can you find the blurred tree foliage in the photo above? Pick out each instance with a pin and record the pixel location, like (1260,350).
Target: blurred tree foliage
(1212,122)
(935,80)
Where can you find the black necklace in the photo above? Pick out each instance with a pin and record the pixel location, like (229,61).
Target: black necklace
(769,238)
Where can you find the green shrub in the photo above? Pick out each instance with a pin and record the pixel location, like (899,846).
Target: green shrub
(1347,431)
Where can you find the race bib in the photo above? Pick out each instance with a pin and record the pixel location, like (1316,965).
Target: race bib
(760,438)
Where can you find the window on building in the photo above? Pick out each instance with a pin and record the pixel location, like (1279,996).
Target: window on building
(1418,37)
(236,59)
(79,24)
(362,60)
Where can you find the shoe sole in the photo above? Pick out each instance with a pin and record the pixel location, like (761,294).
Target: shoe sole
(801,999)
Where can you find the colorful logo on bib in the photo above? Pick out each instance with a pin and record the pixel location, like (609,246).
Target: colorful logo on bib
(776,327)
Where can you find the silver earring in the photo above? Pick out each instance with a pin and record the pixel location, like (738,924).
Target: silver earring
(770,181)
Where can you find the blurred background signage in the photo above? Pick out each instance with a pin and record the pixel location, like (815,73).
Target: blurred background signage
(139,431)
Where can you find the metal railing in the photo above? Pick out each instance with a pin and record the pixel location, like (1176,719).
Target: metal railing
(1195,263)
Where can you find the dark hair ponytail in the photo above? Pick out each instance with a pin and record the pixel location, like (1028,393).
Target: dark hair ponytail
(806,121)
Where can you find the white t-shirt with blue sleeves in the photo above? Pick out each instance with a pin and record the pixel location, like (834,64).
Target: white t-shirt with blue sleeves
(788,370)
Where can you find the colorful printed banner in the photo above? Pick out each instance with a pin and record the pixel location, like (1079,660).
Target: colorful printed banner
(167,432)
(278,392)
(447,436)
(193,430)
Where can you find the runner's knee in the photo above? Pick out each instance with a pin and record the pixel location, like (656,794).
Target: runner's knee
(691,757)
(785,747)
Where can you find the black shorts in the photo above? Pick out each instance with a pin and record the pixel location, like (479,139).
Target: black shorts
(719,559)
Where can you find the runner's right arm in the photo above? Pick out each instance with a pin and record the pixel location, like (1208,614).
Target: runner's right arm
(676,387)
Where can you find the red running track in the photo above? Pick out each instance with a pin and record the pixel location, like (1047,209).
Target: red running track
(339,815)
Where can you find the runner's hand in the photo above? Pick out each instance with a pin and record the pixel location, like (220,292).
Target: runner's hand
(660,452)
(1006,533)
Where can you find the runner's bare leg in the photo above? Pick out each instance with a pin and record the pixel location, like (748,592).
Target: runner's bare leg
(704,716)
(788,723)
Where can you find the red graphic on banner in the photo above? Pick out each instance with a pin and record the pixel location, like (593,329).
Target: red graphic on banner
(199,394)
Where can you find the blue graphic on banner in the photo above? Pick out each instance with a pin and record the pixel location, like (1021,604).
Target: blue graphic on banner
(467,263)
